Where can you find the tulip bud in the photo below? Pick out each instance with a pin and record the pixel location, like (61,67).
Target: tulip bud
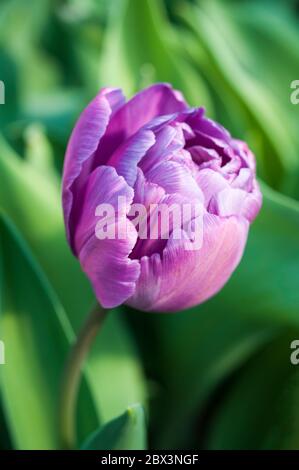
(192,186)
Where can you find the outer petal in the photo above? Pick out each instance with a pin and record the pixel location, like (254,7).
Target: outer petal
(83,142)
(104,186)
(182,278)
(106,262)
(157,100)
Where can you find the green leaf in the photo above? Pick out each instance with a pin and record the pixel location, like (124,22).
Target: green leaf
(21,32)
(11,93)
(195,352)
(255,410)
(127,432)
(265,282)
(210,342)
(39,152)
(14,16)
(230,64)
(113,368)
(56,110)
(286,434)
(138,51)
(33,203)
(5,442)
(36,335)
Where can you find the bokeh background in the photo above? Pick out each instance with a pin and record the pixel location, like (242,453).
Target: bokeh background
(218,376)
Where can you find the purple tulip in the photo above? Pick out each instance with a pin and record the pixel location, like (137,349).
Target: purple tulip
(156,149)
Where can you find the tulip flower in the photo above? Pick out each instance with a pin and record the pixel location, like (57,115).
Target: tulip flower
(151,152)
(154,148)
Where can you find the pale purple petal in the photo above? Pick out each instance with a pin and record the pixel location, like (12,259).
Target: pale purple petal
(157,100)
(203,155)
(211,183)
(163,147)
(83,142)
(175,217)
(243,180)
(235,201)
(181,278)
(126,158)
(175,178)
(145,192)
(106,262)
(104,186)
(152,150)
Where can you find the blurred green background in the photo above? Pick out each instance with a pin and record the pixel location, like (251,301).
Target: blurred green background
(218,376)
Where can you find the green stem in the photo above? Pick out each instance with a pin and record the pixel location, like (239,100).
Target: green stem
(72,376)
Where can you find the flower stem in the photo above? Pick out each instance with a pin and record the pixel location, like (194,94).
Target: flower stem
(72,375)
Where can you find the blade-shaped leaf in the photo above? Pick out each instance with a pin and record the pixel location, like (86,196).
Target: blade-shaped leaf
(212,340)
(137,52)
(36,335)
(255,411)
(5,441)
(34,205)
(230,66)
(127,432)
(194,352)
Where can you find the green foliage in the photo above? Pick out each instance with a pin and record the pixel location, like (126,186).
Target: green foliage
(219,375)
(127,432)
(36,335)
(32,201)
(260,402)
(132,64)
(238,55)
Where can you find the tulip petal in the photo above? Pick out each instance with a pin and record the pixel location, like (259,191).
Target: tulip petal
(82,145)
(235,201)
(106,261)
(145,192)
(182,278)
(210,182)
(126,158)
(104,186)
(157,100)
(203,156)
(243,180)
(175,178)
(163,147)
(166,213)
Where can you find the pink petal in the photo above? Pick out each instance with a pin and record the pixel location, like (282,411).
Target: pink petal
(163,146)
(145,192)
(180,278)
(235,201)
(106,262)
(210,182)
(83,142)
(175,178)
(126,158)
(157,100)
